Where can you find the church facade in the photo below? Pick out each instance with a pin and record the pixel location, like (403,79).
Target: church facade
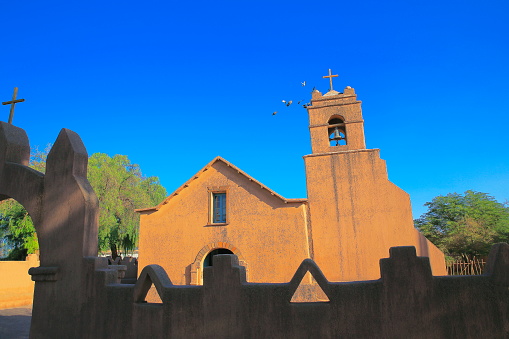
(352,216)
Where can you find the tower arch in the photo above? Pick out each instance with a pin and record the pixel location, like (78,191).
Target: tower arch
(337,131)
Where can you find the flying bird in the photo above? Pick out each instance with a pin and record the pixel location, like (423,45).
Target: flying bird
(274,113)
(303,83)
(287,103)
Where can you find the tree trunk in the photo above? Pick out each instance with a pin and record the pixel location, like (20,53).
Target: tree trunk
(114,253)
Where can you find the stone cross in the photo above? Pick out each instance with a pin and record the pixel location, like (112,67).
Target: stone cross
(13,102)
(330,76)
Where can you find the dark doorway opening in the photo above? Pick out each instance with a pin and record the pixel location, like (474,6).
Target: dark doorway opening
(209,259)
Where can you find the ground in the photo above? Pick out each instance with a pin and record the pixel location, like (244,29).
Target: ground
(15,322)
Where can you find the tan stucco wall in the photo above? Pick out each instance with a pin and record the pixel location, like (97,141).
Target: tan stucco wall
(266,233)
(16,285)
(372,215)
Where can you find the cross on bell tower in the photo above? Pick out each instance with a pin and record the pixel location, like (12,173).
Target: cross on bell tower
(13,102)
(330,76)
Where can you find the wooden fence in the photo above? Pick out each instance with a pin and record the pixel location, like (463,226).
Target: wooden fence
(466,267)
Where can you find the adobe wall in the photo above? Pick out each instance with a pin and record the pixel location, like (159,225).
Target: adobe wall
(16,287)
(406,302)
(267,234)
(370,216)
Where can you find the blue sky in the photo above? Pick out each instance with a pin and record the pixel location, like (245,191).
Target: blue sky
(174,84)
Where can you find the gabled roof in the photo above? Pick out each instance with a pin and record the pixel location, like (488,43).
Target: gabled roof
(206,168)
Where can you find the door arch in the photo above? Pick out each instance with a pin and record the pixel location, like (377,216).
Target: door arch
(209,258)
(211,250)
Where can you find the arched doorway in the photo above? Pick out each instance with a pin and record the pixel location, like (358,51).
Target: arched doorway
(209,259)
(194,272)
(19,248)
(18,237)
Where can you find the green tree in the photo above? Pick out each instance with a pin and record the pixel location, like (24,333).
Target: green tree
(465,224)
(121,189)
(18,230)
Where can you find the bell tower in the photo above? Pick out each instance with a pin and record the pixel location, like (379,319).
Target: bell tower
(335,122)
(355,213)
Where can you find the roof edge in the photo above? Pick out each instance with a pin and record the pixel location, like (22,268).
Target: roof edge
(205,168)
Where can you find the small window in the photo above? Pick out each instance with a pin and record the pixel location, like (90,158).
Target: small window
(219,208)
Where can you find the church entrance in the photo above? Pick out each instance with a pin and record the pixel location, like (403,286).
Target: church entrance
(209,259)
(205,258)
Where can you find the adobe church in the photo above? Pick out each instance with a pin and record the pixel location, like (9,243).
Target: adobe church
(352,216)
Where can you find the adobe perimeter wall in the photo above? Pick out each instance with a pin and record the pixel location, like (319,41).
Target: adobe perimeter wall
(406,302)
(16,285)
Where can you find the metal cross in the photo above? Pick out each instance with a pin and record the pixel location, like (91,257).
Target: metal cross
(13,102)
(330,76)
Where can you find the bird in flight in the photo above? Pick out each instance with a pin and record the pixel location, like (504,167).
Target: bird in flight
(303,83)
(274,113)
(287,103)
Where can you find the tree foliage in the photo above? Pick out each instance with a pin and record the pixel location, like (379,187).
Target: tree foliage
(120,188)
(465,224)
(19,237)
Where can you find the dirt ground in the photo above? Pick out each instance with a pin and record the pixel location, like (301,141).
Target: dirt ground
(15,322)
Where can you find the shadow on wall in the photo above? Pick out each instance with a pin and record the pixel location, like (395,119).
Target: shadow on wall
(406,302)
(423,244)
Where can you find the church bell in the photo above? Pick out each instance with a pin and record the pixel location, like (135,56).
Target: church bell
(336,135)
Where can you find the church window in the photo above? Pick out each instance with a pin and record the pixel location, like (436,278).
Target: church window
(218,208)
(336,131)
